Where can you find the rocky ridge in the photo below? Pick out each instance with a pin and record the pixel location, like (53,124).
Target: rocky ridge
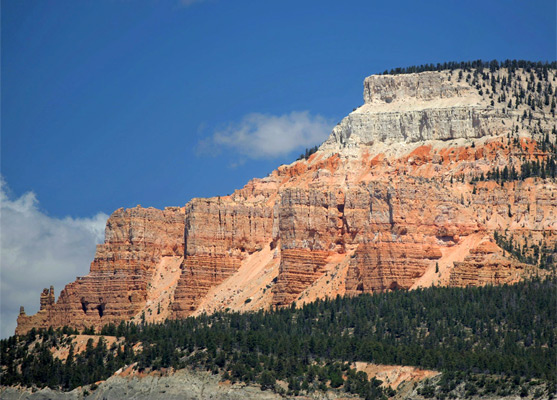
(392,200)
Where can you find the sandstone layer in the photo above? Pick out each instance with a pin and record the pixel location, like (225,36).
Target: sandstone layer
(136,241)
(220,233)
(405,193)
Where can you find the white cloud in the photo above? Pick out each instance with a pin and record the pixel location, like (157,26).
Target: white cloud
(37,251)
(268,136)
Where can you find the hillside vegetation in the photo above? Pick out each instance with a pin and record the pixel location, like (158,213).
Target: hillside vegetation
(496,339)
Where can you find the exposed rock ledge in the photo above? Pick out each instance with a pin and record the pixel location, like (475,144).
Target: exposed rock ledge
(413,108)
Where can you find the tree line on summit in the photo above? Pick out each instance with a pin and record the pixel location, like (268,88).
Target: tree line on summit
(492,65)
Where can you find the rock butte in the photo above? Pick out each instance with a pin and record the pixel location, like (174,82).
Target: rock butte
(380,206)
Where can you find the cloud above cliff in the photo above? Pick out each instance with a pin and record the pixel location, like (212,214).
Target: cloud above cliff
(37,251)
(269,136)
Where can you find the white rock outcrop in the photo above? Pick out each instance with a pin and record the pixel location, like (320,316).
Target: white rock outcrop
(410,108)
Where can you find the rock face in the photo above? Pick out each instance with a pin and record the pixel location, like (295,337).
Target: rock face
(396,198)
(486,263)
(415,108)
(116,289)
(427,86)
(220,234)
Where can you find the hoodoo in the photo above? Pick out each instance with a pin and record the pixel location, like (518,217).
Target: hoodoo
(440,178)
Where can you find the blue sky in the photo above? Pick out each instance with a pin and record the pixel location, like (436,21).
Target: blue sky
(109,104)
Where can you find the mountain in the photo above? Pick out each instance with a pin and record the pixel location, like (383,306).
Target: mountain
(442,177)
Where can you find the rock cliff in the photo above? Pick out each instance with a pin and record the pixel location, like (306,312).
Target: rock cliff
(424,184)
(220,233)
(138,242)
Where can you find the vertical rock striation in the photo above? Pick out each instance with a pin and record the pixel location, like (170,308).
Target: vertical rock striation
(220,233)
(116,288)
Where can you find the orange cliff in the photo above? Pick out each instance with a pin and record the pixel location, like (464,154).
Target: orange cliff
(388,202)
(137,240)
